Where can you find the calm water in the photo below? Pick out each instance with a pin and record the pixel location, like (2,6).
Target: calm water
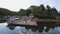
(19,29)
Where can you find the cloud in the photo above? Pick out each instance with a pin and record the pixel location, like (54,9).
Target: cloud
(16,5)
(50,3)
(47,2)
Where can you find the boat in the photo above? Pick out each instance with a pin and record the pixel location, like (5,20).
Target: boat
(12,20)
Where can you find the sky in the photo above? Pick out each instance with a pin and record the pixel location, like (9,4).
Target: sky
(16,5)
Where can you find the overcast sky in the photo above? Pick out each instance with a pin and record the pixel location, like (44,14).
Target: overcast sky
(16,5)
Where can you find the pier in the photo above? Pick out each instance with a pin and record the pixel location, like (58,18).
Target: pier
(34,22)
(30,21)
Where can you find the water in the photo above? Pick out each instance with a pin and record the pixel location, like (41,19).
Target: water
(19,29)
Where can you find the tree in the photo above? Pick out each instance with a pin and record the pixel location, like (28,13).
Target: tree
(54,12)
(38,11)
(49,10)
(41,8)
(6,12)
(48,7)
(28,12)
(22,12)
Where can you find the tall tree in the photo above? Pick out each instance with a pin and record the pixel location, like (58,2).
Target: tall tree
(22,12)
(54,12)
(28,12)
(49,10)
(41,7)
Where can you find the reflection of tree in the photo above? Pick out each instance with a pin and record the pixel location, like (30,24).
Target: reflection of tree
(27,27)
(49,25)
(11,27)
(34,29)
(40,27)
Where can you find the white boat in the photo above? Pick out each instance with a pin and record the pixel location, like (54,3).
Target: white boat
(12,20)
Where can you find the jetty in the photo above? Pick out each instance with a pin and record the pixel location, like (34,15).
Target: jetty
(24,21)
(29,21)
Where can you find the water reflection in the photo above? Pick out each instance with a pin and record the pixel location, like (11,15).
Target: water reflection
(11,27)
(41,27)
(47,28)
(24,30)
(48,25)
(34,30)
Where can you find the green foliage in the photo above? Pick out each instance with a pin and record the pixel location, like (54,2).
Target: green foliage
(22,12)
(48,7)
(28,12)
(41,8)
(40,11)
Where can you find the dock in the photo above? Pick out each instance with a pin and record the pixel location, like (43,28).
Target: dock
(33,23)
(24,23)
(29,21)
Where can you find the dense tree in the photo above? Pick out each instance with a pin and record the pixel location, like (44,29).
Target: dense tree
(54,10)
(28,12)
(41,7)
(48,7)
(22,12)
(37,11)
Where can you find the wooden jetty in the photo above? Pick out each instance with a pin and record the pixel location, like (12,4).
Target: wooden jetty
(28,21)
(34,22)
(22,22)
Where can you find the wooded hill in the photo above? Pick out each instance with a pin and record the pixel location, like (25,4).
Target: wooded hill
(38,11)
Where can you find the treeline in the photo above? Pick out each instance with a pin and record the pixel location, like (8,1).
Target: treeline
(38,11)
(6,12)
